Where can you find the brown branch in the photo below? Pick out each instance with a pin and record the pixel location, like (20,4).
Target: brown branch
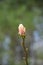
(25,51)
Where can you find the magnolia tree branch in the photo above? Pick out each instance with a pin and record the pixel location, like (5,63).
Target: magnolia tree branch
(26,61)
(22,31)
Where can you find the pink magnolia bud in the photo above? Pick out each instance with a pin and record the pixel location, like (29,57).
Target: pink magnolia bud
(21,29)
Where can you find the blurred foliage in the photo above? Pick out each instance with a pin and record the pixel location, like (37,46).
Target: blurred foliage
(14,12)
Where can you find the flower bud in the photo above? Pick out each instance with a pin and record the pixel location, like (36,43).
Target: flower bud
(21,30)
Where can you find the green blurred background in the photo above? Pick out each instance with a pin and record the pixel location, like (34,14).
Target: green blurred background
(14,12)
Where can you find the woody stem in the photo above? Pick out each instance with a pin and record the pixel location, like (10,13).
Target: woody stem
(25,51)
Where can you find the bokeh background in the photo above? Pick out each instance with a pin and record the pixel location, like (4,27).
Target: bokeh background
(30,14)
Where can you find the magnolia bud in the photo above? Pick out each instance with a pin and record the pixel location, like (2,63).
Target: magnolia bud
(21,29)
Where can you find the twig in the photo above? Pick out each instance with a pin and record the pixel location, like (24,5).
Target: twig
(25,51)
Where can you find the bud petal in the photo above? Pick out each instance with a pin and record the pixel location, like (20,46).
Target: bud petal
(21,29)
